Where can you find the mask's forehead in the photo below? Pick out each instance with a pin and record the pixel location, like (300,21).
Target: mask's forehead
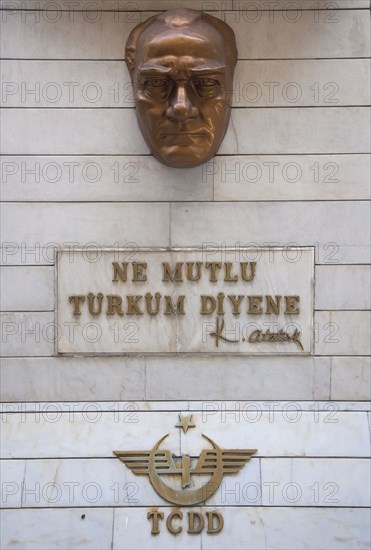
(200,41)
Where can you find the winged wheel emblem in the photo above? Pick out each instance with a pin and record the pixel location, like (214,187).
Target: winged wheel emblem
(158,463)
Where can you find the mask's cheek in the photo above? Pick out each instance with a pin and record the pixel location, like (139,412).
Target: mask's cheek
(215,114)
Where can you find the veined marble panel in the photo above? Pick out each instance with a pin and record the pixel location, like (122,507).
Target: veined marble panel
(142,178)
(102,178)
(351,378)
(129,407)
(218,225)
(12,474)
(125,5)
(34,231)
(225,178)
(244,378)
(108,482)
(50,483)
(343,287)
(316,482)
(282,130)
(329,433)
(27,334)
(48,433)
(343,332)
(277,177)
(91,433)
(293,6)
(57,528)
(27,288)
(212,5)
(122,378)
(209,320)
(66,35)
(67,378)
(244,528)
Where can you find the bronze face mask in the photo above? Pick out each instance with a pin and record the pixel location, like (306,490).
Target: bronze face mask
(181,64)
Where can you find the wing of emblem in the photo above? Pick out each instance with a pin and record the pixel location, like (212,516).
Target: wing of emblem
(137,461)
(229,460)
(140,462)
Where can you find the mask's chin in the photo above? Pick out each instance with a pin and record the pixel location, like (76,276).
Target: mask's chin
(183,158)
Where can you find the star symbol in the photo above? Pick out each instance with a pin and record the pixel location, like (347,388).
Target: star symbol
(185,422)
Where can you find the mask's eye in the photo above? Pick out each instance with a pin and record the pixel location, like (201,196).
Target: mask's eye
(157,88)
(207,88)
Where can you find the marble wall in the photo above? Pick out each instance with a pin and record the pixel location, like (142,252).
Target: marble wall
(293,170)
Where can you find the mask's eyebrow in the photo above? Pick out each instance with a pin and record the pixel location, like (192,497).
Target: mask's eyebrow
(208,69)
(153,69)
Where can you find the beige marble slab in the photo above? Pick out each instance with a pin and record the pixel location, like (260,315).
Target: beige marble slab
(282,130)
(246,528)
(59,36)
(27,288)
(306,223)
(351,378)
(343,332)
(212,5)
(93,433)
(12,476)
(59,529)
(27,334)
(288,177)
(316,482)
(123,378)
(102,178)
(126,330)
(225,178)
(313,433)
(34,231)
(343,287)
(321,482)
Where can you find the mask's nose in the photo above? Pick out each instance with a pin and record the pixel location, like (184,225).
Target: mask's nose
(180,107)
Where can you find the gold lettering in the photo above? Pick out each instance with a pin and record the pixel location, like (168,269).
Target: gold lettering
(114,304)
(211,527)
(169,524)
(195,527)
(228,277)
(133,308)
(91,298)
(190,275)
(120,273)
(220,303)
(255,304)
(213,266)
(139,271)
(148,298)
(208,304)
(175,276)
(77,300)
(244,274)
(170,309)
(236,302)
(273,306)
(155,515)
(292,307)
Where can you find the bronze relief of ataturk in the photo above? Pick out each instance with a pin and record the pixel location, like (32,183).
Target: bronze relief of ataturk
(181,64)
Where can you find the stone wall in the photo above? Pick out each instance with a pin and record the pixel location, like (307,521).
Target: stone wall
(293,170)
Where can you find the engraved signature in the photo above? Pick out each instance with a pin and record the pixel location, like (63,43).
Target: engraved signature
(280,336)
(218,333)
(258,336)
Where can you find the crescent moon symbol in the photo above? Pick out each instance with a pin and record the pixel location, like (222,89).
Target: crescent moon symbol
(185,497)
